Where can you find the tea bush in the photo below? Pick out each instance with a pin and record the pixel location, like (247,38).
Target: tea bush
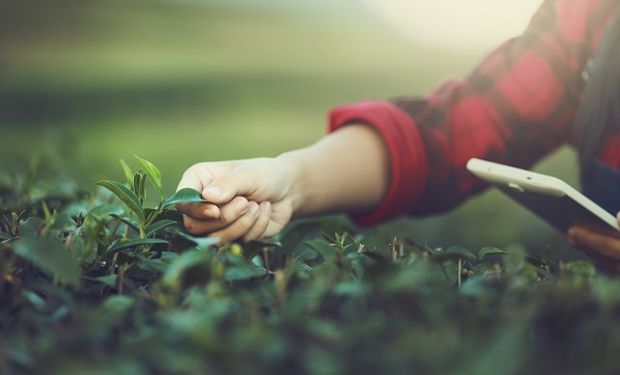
(105,282)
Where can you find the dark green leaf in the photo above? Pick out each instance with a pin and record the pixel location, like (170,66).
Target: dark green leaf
(159,225)
(102,211)
(375,256)
(63,223)
(139,186)
(244,272)
(127,221)
(50,256)
(151,170)
(455,253)
(185,261)
(580,268)
(30,227)
(126,244)
(34,299)
(127,196)
(186,195)
(351,288)
(118,303)
(327,251)
(109,280)
(489,250)
(202,243)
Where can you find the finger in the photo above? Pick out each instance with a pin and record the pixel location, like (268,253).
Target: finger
(199,211)
(195,178)
(237,229)
(229,213)
(600,244)
(261,223)
(224,187)
(272,229)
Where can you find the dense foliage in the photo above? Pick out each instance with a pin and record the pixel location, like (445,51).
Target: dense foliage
(104,283)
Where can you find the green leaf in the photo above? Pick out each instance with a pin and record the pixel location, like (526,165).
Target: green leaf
(183,262)
(63,223)
(351,288)
(118,303)
(151,170)
(102,211)
(489,250)
(186,195)
(34,299)
(139,186)
(159,225)
(321,246)
(244,272)
(30,227)
(455,253)
(126,244)
(127,196)
(580,268)
(50,256)
(126,171)
(202,243)
(109,280)
(127,221)
(375,256)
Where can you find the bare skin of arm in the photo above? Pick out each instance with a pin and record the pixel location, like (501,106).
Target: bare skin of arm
(603,248)
(348,170)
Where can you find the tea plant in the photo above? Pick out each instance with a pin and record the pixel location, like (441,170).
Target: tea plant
(107,282)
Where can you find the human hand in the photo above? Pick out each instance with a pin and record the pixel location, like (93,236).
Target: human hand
(248,199)
(604,248)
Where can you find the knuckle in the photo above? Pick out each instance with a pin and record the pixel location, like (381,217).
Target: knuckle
(196,167)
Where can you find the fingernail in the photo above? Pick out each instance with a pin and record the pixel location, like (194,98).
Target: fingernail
(253,208)
(214,191)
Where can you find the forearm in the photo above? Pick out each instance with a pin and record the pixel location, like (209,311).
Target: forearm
(347,170)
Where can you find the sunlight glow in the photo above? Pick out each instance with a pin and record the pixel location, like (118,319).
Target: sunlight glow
(471,24)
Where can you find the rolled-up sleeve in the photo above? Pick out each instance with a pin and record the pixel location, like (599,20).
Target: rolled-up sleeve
(514,108)
(408,166)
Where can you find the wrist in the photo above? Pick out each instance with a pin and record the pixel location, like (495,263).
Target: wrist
(295,162)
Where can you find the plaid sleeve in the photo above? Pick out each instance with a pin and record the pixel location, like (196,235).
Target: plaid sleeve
(514,108)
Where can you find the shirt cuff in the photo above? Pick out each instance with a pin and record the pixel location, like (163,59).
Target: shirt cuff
(408,164)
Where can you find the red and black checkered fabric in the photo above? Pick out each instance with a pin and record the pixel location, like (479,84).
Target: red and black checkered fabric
(514,108)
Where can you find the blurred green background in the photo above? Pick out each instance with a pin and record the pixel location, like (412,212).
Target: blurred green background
(87,82)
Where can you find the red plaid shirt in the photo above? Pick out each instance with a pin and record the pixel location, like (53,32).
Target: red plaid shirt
(514,108)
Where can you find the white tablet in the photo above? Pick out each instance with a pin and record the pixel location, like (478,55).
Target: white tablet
(548,197)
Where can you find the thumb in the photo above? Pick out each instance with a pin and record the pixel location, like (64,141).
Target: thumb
(226,186)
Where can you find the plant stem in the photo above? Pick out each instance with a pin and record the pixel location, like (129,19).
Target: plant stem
(459,269)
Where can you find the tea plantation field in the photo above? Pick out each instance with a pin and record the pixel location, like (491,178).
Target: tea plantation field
(101,281)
